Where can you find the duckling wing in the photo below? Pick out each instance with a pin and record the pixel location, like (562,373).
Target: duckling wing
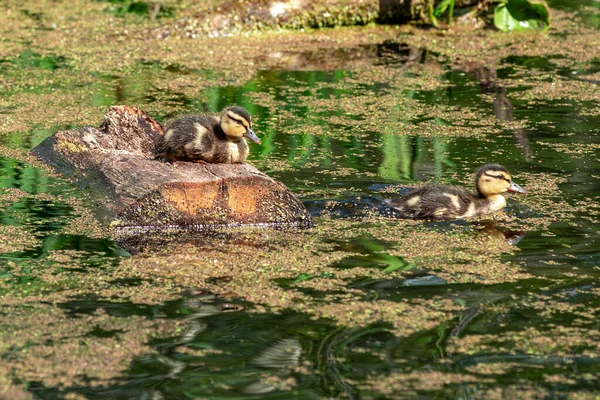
(436,202)
(187,138)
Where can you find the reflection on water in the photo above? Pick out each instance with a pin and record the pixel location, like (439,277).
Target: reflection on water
(321,140)
(229,354)
(502,106)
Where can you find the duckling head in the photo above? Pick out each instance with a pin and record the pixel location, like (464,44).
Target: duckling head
(236,123)
(494,179)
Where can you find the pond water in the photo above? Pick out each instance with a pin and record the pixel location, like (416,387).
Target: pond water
(506,307)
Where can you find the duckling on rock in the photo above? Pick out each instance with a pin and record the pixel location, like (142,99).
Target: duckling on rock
(207,138)
(450,202)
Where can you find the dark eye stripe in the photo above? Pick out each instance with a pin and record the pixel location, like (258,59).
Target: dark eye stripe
(239,121)
(497,177)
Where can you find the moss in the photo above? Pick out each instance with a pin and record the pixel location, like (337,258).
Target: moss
(14,239)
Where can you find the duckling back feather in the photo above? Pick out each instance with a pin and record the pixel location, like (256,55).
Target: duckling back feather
(437,202)
(199,138)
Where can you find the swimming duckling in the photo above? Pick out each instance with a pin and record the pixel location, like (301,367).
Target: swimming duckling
(207,138)
(447,202)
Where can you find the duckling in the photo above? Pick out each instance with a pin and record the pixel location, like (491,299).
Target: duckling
(207,138)
(449,202)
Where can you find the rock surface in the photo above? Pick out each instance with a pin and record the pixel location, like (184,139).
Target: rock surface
(131,190)
(235,16)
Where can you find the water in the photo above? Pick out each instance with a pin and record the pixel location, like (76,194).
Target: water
(362,306)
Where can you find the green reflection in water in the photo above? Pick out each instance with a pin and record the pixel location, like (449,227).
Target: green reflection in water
(15,174)
(30,59)
(42,209)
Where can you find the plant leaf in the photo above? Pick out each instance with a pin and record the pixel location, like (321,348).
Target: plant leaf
(442,7)
(522,15)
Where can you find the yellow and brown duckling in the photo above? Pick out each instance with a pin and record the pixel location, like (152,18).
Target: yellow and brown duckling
(208,138)
(450,202)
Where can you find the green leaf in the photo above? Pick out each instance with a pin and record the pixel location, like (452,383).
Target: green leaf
(432,17)
(522,15)
(442,7)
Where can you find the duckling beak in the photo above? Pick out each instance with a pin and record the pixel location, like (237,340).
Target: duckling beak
(516,188)
(252,136)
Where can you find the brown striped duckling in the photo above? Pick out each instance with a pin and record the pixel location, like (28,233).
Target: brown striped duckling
(208,138)
(450,202)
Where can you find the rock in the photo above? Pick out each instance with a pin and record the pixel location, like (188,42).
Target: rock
(235,16)
(132,191)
